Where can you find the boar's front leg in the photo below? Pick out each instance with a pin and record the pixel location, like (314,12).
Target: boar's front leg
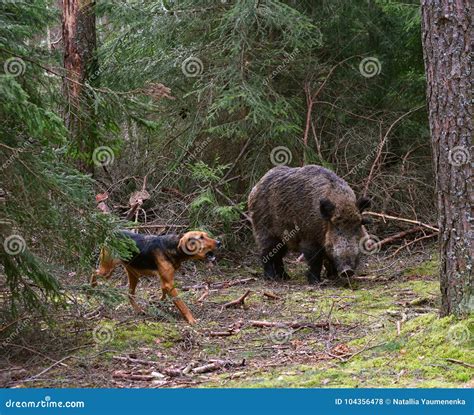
(331,271)
(314,258)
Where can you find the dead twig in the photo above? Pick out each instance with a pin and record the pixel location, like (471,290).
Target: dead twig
(123,374)
(239,302)
(415,222)
(135,361)
(400,235)
(381,145)
(49,368)
(293,325)
(364,350)
(216,365)
(203,295)
(460,362)
(271,295)
(217,285)
(411,243)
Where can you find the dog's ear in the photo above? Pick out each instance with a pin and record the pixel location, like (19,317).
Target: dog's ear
(182,240)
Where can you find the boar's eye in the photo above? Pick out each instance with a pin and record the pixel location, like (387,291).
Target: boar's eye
(366,221)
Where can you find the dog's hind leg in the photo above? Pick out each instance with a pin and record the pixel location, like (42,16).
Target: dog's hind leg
(133,277)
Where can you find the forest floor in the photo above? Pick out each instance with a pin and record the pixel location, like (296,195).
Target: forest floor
(384,331)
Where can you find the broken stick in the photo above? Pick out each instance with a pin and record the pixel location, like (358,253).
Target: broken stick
(240,302)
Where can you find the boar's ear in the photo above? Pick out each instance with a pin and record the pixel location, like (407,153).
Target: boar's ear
(363,203)
(327,208)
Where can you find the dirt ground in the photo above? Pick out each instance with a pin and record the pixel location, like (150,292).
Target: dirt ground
(382,331)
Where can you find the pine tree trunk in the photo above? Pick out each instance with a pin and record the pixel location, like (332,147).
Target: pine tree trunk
(80,62)
(446,36)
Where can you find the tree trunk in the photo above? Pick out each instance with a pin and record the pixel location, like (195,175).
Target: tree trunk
(80,62)
(446,36)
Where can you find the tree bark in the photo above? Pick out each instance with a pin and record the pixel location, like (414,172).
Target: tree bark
(446,36)
(80,63)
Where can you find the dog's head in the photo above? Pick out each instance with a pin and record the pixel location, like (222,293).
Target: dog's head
(198,245)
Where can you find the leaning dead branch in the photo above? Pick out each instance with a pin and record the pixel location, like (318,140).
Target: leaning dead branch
(239,302)
(271,295)
(400,235)
(406,245)
(415,222)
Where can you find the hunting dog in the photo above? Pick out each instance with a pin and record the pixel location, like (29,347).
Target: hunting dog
(159,255)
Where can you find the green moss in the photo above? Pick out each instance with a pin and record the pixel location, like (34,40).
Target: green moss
(417,357)
(427,268)
(144,334)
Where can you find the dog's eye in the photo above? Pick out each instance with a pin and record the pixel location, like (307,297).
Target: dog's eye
(201,237)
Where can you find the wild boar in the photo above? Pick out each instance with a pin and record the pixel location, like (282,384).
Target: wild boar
(309,210)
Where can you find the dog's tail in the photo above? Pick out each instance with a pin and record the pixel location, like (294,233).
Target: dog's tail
(107,264)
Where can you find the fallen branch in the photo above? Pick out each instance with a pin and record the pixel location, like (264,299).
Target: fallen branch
(135,361)
(411,243)
(164,225)
(216,365)
(122,374)
(460,362)
(363,350)
(271,295)
(217,285)
(222,333)
(416,222)
(293,325)
(400,235)
(240,302)
(204,295)
(59,362)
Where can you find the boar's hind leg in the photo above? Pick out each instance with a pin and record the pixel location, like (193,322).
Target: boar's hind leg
(279,266)
(272,259)
(314,258)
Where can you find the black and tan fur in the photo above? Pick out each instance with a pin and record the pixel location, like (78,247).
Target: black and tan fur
(159,256)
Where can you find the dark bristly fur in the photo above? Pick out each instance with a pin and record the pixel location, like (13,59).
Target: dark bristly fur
(148,244)
(309,210)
